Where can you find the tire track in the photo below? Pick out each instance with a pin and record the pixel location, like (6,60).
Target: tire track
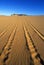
(4,31)
(35,58)
(35,29)
(3,42)
(5,54)
(19,53)
(40,34)
(37,40)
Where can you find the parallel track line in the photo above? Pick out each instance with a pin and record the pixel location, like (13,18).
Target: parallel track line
(6,51)
(37,32)
(32,49)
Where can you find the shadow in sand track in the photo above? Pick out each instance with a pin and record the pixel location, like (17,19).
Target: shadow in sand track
(34,56)
(7,48)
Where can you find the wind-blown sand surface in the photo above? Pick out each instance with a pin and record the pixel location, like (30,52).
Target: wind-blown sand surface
(21,40)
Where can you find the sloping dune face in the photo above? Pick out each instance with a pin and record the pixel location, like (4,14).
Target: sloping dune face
(21,40)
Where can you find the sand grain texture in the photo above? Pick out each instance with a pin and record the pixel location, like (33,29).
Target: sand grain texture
(21,40)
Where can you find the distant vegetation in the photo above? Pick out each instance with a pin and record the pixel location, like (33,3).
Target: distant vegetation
(18,15)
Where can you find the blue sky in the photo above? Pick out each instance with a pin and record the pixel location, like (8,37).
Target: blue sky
(30,7)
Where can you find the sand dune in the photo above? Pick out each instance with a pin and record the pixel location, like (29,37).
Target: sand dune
(21,40)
